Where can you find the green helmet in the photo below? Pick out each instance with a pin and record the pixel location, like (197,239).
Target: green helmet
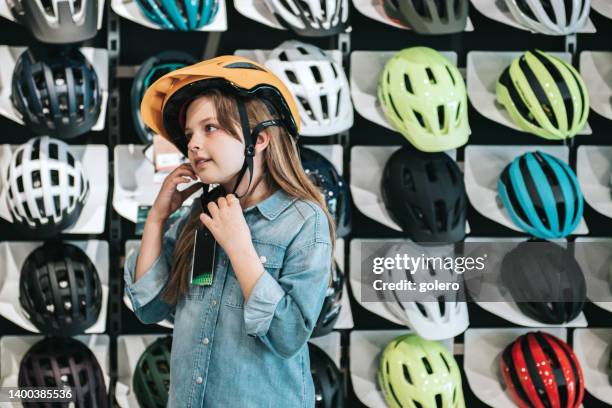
(544,95)
(151,379)
(419,373)
(423,95)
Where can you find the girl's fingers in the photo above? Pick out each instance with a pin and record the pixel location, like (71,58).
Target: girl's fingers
(213,209)
(190,190)
(206,220)
(179,180)
(231,199)
(222,202)
(183,172)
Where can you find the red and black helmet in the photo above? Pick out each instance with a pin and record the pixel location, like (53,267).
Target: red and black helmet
(541,371)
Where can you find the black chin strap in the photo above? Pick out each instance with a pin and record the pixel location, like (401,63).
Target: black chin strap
(250,137)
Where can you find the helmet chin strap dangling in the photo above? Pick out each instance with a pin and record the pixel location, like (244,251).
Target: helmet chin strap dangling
(250,137)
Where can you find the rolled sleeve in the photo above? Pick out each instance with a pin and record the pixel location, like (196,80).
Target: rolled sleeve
(145,289)
(260,307)
(145,293)
(283,313)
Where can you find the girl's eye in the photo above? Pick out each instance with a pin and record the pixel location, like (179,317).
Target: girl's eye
(210,128)
(188,136)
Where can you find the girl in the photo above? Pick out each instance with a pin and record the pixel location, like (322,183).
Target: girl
(241,341)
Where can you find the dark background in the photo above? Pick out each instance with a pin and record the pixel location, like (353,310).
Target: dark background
(136,43)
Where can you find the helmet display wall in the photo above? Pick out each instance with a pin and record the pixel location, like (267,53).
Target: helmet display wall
(468,122)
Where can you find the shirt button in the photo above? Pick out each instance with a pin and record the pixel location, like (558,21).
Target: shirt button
(213,302)
(263,259)
(199,380)
(205,341)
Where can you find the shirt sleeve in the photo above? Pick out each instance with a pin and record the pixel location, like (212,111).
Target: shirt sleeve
(284,312)
(145,293)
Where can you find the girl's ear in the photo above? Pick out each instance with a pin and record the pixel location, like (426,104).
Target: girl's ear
(263,140)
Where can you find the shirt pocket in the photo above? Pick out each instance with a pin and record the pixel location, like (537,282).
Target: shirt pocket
(271,257)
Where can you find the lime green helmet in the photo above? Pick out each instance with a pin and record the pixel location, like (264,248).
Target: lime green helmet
(544,95)
(423,95)
(419,373)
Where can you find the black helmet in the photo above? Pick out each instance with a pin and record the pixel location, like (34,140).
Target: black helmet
(425,195)
(151,379)
(64,362)
(150,71)
(545,281)
(331,305)
(429,16)
(327,378)
(336,192)
(59,289)
(57,93)
(57,21)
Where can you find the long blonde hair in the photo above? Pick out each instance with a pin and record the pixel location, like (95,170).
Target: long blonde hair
(282,169)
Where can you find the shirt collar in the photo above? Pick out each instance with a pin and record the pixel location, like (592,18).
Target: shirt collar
(275,204)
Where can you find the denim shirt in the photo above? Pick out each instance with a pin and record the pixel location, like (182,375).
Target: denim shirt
(230,354)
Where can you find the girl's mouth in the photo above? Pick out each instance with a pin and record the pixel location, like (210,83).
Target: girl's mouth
(201,163)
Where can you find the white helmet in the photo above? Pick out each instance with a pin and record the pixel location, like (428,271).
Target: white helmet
(318,84)
(47,187)
(433,315)
(311,18)
(551,17)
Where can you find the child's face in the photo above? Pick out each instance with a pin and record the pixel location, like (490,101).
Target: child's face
(215,155)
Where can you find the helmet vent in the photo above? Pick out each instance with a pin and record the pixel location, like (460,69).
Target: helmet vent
(427,365)
(53,151)
(440,209)
(333,67)
(442,305)
(399,404)
(306,107)
(407,373)
(450,74)
(431,172)
(408,84)
(430,75)
(448,368)
(439,401)
(441,116)
(458,114)
(324,107)
(424,313)
(243,65)
(419,117)
(409,277)
(457,212)
(291,76)
(416,404)
(394,108)
(316,74)
(20,155)
(283,56)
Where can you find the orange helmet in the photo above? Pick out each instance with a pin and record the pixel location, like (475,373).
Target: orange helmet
(164,104)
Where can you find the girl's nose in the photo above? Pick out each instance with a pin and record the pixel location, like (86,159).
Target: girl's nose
(195,143)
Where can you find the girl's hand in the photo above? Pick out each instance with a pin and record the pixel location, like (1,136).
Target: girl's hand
(227,224)
(169,199)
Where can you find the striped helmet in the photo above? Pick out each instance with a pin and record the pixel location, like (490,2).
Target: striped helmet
(541,370)
(544,95)
(542,195)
